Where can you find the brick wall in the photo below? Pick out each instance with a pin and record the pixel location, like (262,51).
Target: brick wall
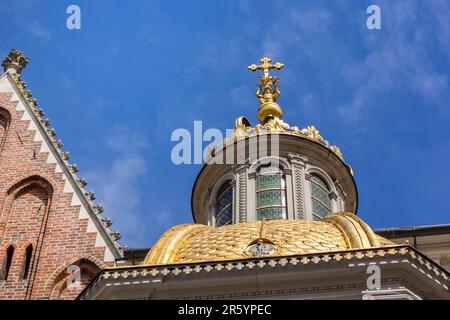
(35,210)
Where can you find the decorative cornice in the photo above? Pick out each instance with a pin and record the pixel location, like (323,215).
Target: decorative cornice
(297,158)
(434,272)
(243,129)
(252,175)
(242,168)
(314,258)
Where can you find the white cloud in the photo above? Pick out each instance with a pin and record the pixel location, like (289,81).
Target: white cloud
(39,31)
(440,10)
(65,81)
(242,96)
(217,54)
(312,20)
(97,106)
(116,184)
(400,57)
(22,14)
(119,190)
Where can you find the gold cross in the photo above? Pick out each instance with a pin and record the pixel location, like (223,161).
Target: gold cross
(266,66)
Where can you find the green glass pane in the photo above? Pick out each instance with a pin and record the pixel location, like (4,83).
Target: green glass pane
(273,181)
(320,194)
(319,209)
(271,213)
(225,217)
(319,181)
(270,198)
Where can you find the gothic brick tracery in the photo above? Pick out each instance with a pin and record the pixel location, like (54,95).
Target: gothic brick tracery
(62,284)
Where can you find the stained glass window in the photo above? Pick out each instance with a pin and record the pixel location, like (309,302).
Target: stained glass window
(270,194)
(320,199)
(224,206)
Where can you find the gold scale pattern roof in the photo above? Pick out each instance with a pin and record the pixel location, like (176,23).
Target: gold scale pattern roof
(190,243)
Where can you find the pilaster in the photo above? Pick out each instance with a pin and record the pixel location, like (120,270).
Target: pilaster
(297,186)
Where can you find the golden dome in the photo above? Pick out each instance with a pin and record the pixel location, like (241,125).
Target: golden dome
(190,243)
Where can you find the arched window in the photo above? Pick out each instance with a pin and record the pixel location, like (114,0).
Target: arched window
(27,264)
(9,258)
(270,193)
(2,129)
(320,197)
(224,205)
(4,122)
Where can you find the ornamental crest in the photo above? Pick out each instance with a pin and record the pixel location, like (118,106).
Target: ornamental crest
(261,248)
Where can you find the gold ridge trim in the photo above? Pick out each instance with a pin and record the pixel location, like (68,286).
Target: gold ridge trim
(163,252)
(356,231)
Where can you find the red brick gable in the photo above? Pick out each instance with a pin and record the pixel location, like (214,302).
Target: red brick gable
(41,206)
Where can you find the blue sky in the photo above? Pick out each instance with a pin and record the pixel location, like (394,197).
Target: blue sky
(116,89)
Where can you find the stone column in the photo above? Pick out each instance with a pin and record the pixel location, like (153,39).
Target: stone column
(290,212)
(234,188)
(241,194)
(251,196)
(342,197)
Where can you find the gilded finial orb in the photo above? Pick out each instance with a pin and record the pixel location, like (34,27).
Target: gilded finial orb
(15,62)
(268,90)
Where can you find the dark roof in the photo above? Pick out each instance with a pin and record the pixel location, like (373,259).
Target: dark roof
(135,253)
(417,231)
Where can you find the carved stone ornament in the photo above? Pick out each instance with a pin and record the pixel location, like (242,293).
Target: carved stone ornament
(260,249)
(15,61)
